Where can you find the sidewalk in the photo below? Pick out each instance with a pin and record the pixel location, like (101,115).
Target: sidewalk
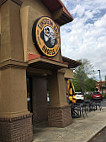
(81,130)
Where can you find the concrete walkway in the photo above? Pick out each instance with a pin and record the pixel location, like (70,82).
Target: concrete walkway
(81,130)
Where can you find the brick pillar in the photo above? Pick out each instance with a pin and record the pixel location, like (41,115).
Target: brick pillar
(39,99)
(59,112)
(15,120)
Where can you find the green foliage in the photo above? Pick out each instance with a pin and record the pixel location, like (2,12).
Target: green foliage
(82,80)
(105,80)
(104,95)
(87,97)
(90,84)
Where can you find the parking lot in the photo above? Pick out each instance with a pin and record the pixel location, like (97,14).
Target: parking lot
(104,103)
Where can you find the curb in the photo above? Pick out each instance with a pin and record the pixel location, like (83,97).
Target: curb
(91,139)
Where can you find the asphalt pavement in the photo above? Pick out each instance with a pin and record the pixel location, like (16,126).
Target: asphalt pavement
(100,136)
(104,103)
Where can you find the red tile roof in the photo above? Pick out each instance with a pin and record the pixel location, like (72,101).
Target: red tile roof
(55,5)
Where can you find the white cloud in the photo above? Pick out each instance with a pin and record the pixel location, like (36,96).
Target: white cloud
(101,22)
(85,37)
(79,10)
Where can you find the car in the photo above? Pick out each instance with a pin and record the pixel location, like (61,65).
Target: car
(96,96)
(79,96)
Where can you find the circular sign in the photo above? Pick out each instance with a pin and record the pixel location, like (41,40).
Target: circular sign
(46,36)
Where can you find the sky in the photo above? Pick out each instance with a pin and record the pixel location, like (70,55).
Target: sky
(85,36)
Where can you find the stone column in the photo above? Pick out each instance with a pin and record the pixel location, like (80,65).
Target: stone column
(59,112)
(15,120)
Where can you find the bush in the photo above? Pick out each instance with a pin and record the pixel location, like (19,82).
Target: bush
(87,96)
(104,95)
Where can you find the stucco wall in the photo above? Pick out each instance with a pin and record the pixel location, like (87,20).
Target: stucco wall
(30,11)
(0,20)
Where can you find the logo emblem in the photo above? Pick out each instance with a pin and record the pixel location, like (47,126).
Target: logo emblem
(46,36)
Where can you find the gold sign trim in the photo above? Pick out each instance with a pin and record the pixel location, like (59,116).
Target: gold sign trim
(47,36)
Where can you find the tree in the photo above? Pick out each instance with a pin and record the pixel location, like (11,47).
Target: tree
(90,84)
(105,80)
(82,77)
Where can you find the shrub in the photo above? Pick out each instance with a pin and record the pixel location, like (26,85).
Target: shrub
(87,96)
(104,95)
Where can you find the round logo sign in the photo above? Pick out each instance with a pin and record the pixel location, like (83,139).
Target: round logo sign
(46,36)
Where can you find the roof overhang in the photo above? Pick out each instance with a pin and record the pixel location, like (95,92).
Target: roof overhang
(71,63)
(42,62)
(60,14)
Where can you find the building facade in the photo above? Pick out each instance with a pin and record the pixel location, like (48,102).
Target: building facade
(30,65)
(101,86)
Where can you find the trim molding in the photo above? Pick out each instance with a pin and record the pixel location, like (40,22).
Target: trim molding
(15,1)
(13,63)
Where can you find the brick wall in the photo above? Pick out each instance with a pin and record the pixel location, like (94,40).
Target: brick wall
(18,129)
(39,99)
(59,116)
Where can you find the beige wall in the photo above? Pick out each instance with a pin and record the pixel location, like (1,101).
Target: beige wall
(68,73)
(0,86)
(11,36)
(57,90)
(31,10)
(13,86)
(0,20)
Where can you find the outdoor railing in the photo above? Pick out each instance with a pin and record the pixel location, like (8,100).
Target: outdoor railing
(80,109)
